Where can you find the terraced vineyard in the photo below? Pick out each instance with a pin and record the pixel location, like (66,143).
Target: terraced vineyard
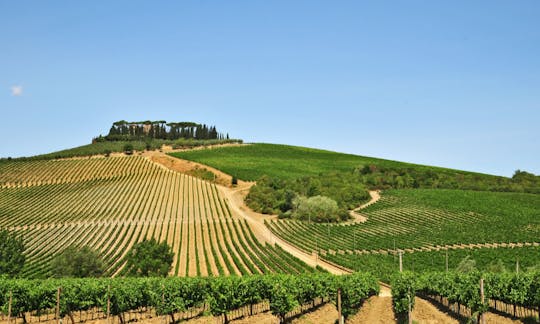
(110,204)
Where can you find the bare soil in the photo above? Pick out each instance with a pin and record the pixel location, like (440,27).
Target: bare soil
(186,167)
(377,310)
(358,217)
(425,312)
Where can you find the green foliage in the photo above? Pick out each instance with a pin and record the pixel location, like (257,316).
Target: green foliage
(107,147)
(355,289)
(254,161)
(466,265)
(172,295)
(77,262)
(406,219)
(274,196)
(487,260)
(318,209)
(150,259)
(128,148)
(282,296)
(202,173)
(404,286)
(227,294)
(11,254)
(462,288)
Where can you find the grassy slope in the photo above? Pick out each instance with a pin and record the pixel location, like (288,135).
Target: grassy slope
(250,162)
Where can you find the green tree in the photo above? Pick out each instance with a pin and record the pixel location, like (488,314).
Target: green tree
(77,263)
(150,259)
(11,254)
(316,209)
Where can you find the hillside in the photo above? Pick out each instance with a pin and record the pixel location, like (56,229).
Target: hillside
(111,203)
(468,215)
(251,162)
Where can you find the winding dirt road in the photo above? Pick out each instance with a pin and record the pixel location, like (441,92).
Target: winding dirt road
(359,218)
(235,198)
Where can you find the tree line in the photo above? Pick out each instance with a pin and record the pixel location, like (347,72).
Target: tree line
(124,131)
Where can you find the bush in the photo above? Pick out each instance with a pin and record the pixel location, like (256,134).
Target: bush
(317,209)
(11,254)
(128,148)
(150,259)
(77,263)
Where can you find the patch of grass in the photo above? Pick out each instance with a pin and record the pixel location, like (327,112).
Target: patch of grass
(202,173)
(250,162)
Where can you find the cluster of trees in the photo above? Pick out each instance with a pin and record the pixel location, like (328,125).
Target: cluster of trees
(143,130)
(322,198)
(296,198)
(145,259)
(402,178)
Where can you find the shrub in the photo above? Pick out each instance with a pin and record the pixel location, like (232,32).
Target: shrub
(318,209)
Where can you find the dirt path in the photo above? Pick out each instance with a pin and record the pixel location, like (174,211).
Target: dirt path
(492,318)
(256,221)
(185,166)
(359,218)
(377,309)
(425,312)
(326,314)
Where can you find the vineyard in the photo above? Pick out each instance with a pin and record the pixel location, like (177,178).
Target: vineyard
(173,297)
(419,221)
(470,295)
(109,204)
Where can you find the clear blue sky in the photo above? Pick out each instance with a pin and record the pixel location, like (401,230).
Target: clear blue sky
(448,83)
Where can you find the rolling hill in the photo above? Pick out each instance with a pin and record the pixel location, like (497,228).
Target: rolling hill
(435,217)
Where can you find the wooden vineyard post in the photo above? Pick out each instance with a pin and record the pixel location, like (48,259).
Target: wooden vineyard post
(482,299)
(9,307)
(410,308)
(400,261)
(58,305)
(340,319)
(108,303)
(446,260)
(394,250)
(517,266)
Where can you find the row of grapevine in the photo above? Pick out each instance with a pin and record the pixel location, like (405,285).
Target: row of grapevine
(485,259)
(170,296)
(141,201)
(466,289)
(32,173)
(401,219)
